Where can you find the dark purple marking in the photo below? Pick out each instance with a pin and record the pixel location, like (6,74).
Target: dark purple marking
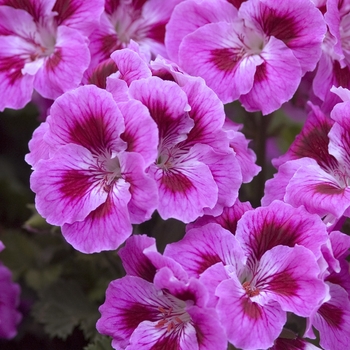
(226,59)
(65,9)
(157,32)
(111,6)
(91,134)
(54,60)
(236,3)
(12,67)
(136,313)
(75,184)
(27,6)
(332,314)
(313,143)
(110,43)
(282,27)
(205,261)
(163,74)
(101,72)
(327,188)
(288,344)
(260,73)
(284,284)
(176,182)
(169,342)
(251,309)
(341,75)
(273,234)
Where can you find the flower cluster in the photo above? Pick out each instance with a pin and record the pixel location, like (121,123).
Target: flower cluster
(137,124)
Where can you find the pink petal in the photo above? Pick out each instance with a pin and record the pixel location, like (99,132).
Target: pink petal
(66,189)
(9,301)
(87,116)
(129,301)
(79,14)
(208,115)
(143,189)
(63,70)
(106,227)
(147,336)
(135,262)
(299,24)
(253,326)
(141,133)
(321,193)
(228,219)
(214,52)
(38,148)
(245,156)
(191,15)
(184,190)
(167,104)
(204,247)
(261,229)
(276,79)
(290,277)
(276,187)
(130,65)
(332,320)
(339,134)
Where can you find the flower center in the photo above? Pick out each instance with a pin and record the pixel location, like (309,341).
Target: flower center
(110,167)
(250,290)
(173,315)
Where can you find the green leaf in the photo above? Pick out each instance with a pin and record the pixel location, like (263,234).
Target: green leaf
(62,307)
(20,253)
(101,343)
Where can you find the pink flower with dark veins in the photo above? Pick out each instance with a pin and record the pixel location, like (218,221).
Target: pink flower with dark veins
(142,21)
(156,305)
(90,159)
(268,268)
(256,54)
(43,46)
(315,172)
(196,171)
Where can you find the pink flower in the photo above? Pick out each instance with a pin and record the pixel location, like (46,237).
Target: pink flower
(268,268)
(315,172)
(248,54)
(142,21)
(89,172)
(162,311)
(43,47)
(195,170)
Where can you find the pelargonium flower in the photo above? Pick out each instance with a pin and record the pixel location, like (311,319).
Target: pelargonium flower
(89,162)
(333,67)
(194,153)
(248,54)
(268,268)
(163,312)
(122,21)
(9,300)
(315,172)
(43,47)
(195,169)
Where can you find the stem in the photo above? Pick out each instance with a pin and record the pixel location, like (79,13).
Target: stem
(261,135)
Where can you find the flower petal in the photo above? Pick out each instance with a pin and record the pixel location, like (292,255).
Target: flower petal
(87,116)
(66,188)
(261,229)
